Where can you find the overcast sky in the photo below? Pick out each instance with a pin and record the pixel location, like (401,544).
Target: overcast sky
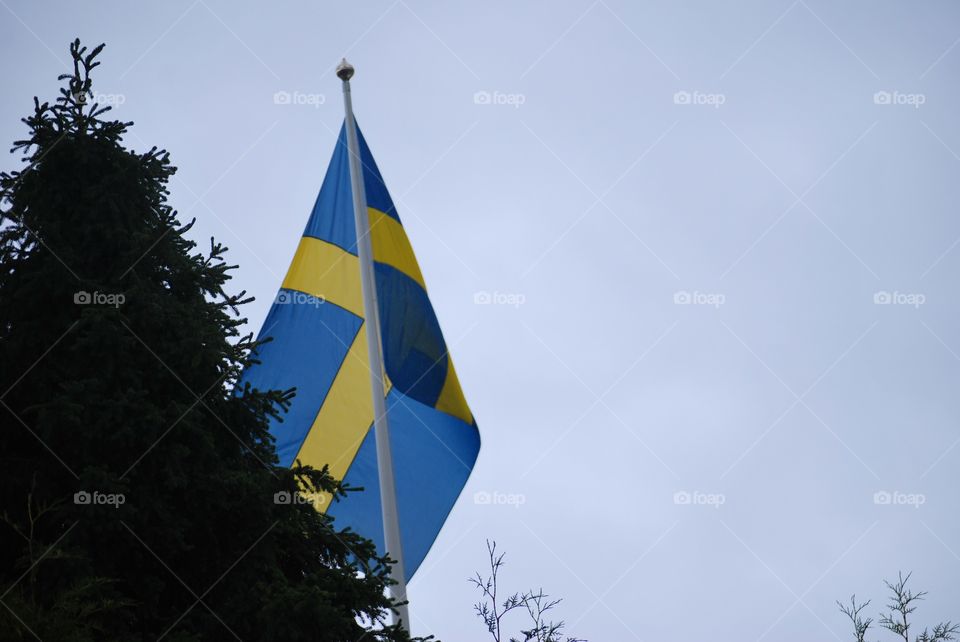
(716,379)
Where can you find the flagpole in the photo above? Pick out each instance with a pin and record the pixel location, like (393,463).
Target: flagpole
(388,494)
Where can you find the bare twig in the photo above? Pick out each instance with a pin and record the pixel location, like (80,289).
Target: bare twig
(537,604)
(897,619)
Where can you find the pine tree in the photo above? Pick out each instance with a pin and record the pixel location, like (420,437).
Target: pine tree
(137,484)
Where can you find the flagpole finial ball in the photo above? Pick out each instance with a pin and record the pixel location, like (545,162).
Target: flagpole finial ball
(345,70)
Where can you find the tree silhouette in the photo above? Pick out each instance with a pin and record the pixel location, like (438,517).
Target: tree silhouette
(137,484)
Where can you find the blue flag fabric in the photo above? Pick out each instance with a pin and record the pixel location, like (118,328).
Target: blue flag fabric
(319,347)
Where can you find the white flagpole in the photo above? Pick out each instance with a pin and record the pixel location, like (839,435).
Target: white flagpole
(388,494)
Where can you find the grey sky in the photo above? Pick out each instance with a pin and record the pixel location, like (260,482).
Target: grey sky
(596,195)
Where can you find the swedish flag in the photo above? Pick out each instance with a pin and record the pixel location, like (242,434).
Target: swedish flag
(319,345)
